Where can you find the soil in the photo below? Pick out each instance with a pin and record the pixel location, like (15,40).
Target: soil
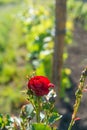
(76,61)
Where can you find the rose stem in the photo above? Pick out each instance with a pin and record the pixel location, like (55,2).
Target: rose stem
(78,97)
(38,110)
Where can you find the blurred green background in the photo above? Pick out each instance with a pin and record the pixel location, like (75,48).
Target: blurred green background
(26,45)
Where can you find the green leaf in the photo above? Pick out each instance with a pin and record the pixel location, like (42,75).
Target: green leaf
(54,117)
(40,126)
(9,121)
(27,111)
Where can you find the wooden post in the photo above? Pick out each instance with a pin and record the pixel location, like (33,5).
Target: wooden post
(60,23)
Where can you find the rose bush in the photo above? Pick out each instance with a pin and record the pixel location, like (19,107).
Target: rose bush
(40,112)
(39,85)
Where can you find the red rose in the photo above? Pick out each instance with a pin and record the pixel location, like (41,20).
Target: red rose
(39,85)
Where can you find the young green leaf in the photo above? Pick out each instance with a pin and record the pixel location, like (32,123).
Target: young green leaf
(40,126)
(54,117)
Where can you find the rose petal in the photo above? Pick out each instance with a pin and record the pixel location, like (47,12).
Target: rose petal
(51,85)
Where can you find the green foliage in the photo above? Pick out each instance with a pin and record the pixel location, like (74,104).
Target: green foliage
(78,12)
(5,121)
(9,1)
(55,117)
(39,43)
(26,44)
(9,71)
(40,126)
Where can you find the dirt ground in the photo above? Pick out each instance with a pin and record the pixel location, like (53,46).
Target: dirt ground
(76,61)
